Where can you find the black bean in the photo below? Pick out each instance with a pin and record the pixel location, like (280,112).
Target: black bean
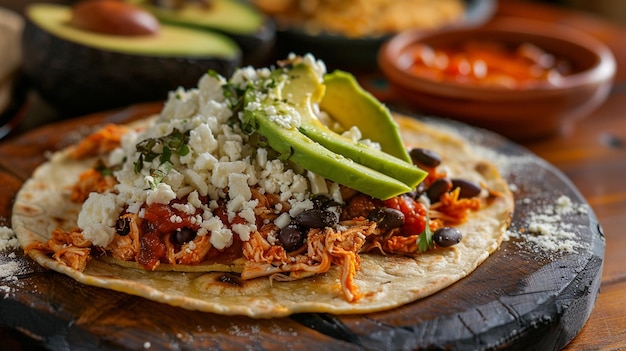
(316,218)
(387,218)
(183,235)
(323,201)
(291,237)
(447,236)
(438,188)
(414,194)
(230,279)
(468,189)
(122,226)
(425,157)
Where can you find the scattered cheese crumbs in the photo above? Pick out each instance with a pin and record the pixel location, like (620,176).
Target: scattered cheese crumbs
(5,290)
(8,269)
(8,240)
(9,265)
(547,230)
(550,224)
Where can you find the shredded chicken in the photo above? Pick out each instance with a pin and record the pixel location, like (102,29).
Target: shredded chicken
(90,181)
(265,256)
(69,248)
(453,210)
(100,142)
(324,247)
(192,252)
(126,247)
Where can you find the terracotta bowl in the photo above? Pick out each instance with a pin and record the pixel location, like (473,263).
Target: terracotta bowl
(535,111)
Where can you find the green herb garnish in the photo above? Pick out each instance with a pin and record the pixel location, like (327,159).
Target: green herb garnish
(176,142)
(425,240)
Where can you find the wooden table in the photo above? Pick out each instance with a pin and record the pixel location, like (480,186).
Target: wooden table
(593,156)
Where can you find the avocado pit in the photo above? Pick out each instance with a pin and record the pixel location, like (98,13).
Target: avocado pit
(113,17)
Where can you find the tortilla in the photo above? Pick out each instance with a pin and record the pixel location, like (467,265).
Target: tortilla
(386,281)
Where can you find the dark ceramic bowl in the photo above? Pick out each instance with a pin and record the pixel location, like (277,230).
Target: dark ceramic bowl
(348,53)
(521,114)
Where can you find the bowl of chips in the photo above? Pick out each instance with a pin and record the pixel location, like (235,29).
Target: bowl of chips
(522,78)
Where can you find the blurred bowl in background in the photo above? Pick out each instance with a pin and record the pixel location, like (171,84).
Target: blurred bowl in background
(571,74)
(356,50)
(12,84)
(85,58)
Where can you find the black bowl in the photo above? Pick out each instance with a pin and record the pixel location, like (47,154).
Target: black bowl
(352,54)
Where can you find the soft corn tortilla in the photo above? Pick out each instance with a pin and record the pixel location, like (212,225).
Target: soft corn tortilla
(386,281)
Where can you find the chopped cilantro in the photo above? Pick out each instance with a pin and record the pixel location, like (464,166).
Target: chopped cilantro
(234,95)
(160,173)
(103,169)
(176,142)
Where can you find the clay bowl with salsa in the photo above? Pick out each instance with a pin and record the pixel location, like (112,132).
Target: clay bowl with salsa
(521,78)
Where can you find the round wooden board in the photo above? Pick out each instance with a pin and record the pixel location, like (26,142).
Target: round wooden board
(522,297)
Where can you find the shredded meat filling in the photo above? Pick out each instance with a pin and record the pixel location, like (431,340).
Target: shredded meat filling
(102,141)
(69,248)
(324,247)
(151,239)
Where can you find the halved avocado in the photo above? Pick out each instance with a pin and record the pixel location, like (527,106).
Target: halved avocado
(79,71)
(251,29)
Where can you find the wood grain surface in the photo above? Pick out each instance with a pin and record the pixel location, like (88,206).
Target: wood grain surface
(592,158)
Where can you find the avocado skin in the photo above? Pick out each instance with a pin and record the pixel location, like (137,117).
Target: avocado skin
(257,46)
(77,79)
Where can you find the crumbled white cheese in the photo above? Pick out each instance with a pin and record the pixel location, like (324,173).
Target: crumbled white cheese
(354,134)
(243,230)
(318,183)
(97,218)
(238,186)
(8,240)
(202,140)
(162,194)
(219,167)
(221,238)
(282,221)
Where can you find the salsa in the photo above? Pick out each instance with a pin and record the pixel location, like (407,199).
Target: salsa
(487,63)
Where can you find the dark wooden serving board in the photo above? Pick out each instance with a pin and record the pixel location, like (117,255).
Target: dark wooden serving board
(521,298)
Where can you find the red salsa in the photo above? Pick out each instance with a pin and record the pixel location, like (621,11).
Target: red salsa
(487,63)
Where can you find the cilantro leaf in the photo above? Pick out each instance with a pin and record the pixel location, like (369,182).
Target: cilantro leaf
(425,240)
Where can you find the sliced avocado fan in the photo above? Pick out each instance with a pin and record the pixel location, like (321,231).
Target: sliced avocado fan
(282,110)
(349,104)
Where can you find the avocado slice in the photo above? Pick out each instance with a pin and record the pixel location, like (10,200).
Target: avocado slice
(296,147)
(79,72)
(248,27)
(303,88)
(284,115)
(349,104)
